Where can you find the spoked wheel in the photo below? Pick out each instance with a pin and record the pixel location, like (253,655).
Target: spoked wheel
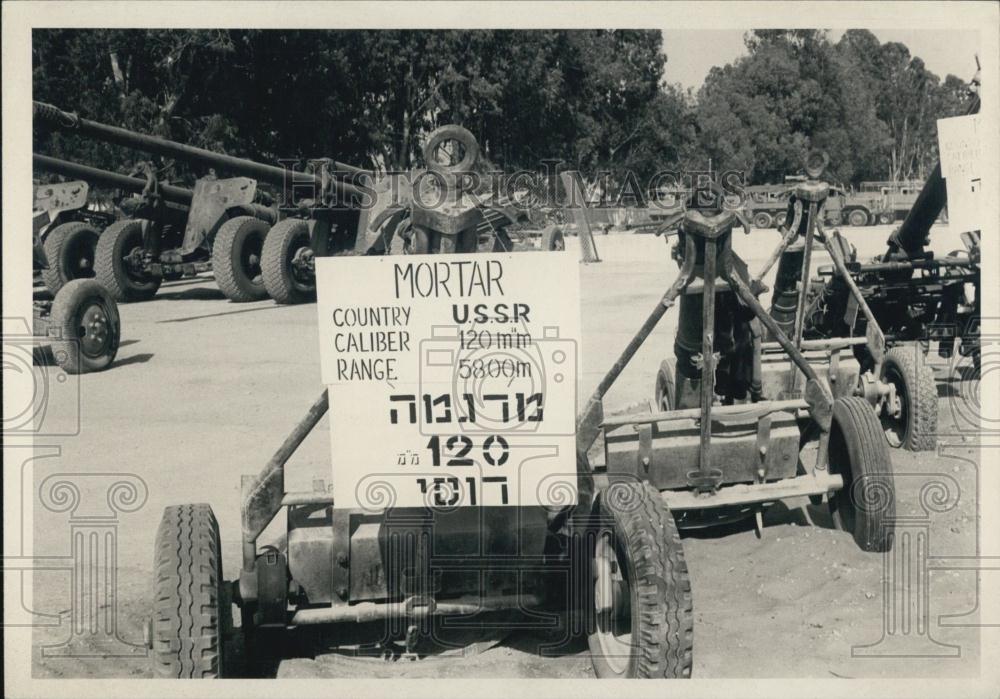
(192,611)
(665,390)
(909,414)
(236,258)
(88,327)
(866,505)
(643,623)
(118,263)
(287,262)
(69,250)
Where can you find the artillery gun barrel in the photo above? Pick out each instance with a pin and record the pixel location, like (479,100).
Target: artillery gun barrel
(912,234)
(177,195)
(56,118)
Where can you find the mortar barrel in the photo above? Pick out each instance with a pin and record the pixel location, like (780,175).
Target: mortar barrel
(55,118)
(912,234)
(106,178)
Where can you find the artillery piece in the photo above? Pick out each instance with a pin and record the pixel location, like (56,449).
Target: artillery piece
(450,206)
(219,225)
(335,209)
(731,436)
(915,298)
(65,228)
(897,384)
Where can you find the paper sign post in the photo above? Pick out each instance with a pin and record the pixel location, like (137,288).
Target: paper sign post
(452,378)
(960,145)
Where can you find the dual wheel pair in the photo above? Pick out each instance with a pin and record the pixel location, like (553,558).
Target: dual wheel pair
(251,260)
(638,601)
(641,623)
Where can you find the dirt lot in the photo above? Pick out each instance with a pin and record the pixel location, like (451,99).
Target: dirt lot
(204,390)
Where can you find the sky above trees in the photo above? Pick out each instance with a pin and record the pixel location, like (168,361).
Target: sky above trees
(693,53)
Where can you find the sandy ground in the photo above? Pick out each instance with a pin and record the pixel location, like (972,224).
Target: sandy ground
(204,390)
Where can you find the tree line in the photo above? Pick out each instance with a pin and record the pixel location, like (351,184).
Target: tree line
(594,100)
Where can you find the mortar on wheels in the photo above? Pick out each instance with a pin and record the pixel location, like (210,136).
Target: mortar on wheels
(769,425)
(384,578)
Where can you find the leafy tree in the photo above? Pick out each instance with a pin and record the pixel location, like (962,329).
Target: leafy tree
(594,99)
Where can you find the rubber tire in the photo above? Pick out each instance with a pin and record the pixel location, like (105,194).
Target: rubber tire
(921,396)
(451,132)
(858,217)
(274,262)
(665,386)
(110,268)
(662,615)
(860,454)
(553,239)
(66,307)
(886,218)
(780,219)
(762,220)
(188,621)
(227,264)
(58,245)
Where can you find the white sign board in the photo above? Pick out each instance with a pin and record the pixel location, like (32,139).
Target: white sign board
(960,145)
(452,378)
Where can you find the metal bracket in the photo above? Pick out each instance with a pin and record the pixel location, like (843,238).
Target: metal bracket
(211,199)
(763,442)
(644,457)
(833,369)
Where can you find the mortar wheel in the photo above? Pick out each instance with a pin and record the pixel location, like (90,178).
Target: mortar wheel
(665,386)
(286,250)
(191,607)
(87,325)
(70,249)
(552,239)
(643,622)
(866,505)
(762,220)
(118,243)
(911,421)
(236,258)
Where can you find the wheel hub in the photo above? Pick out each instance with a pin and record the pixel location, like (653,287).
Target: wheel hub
(303,264)
(895,409)
(93,330)
(611,604)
